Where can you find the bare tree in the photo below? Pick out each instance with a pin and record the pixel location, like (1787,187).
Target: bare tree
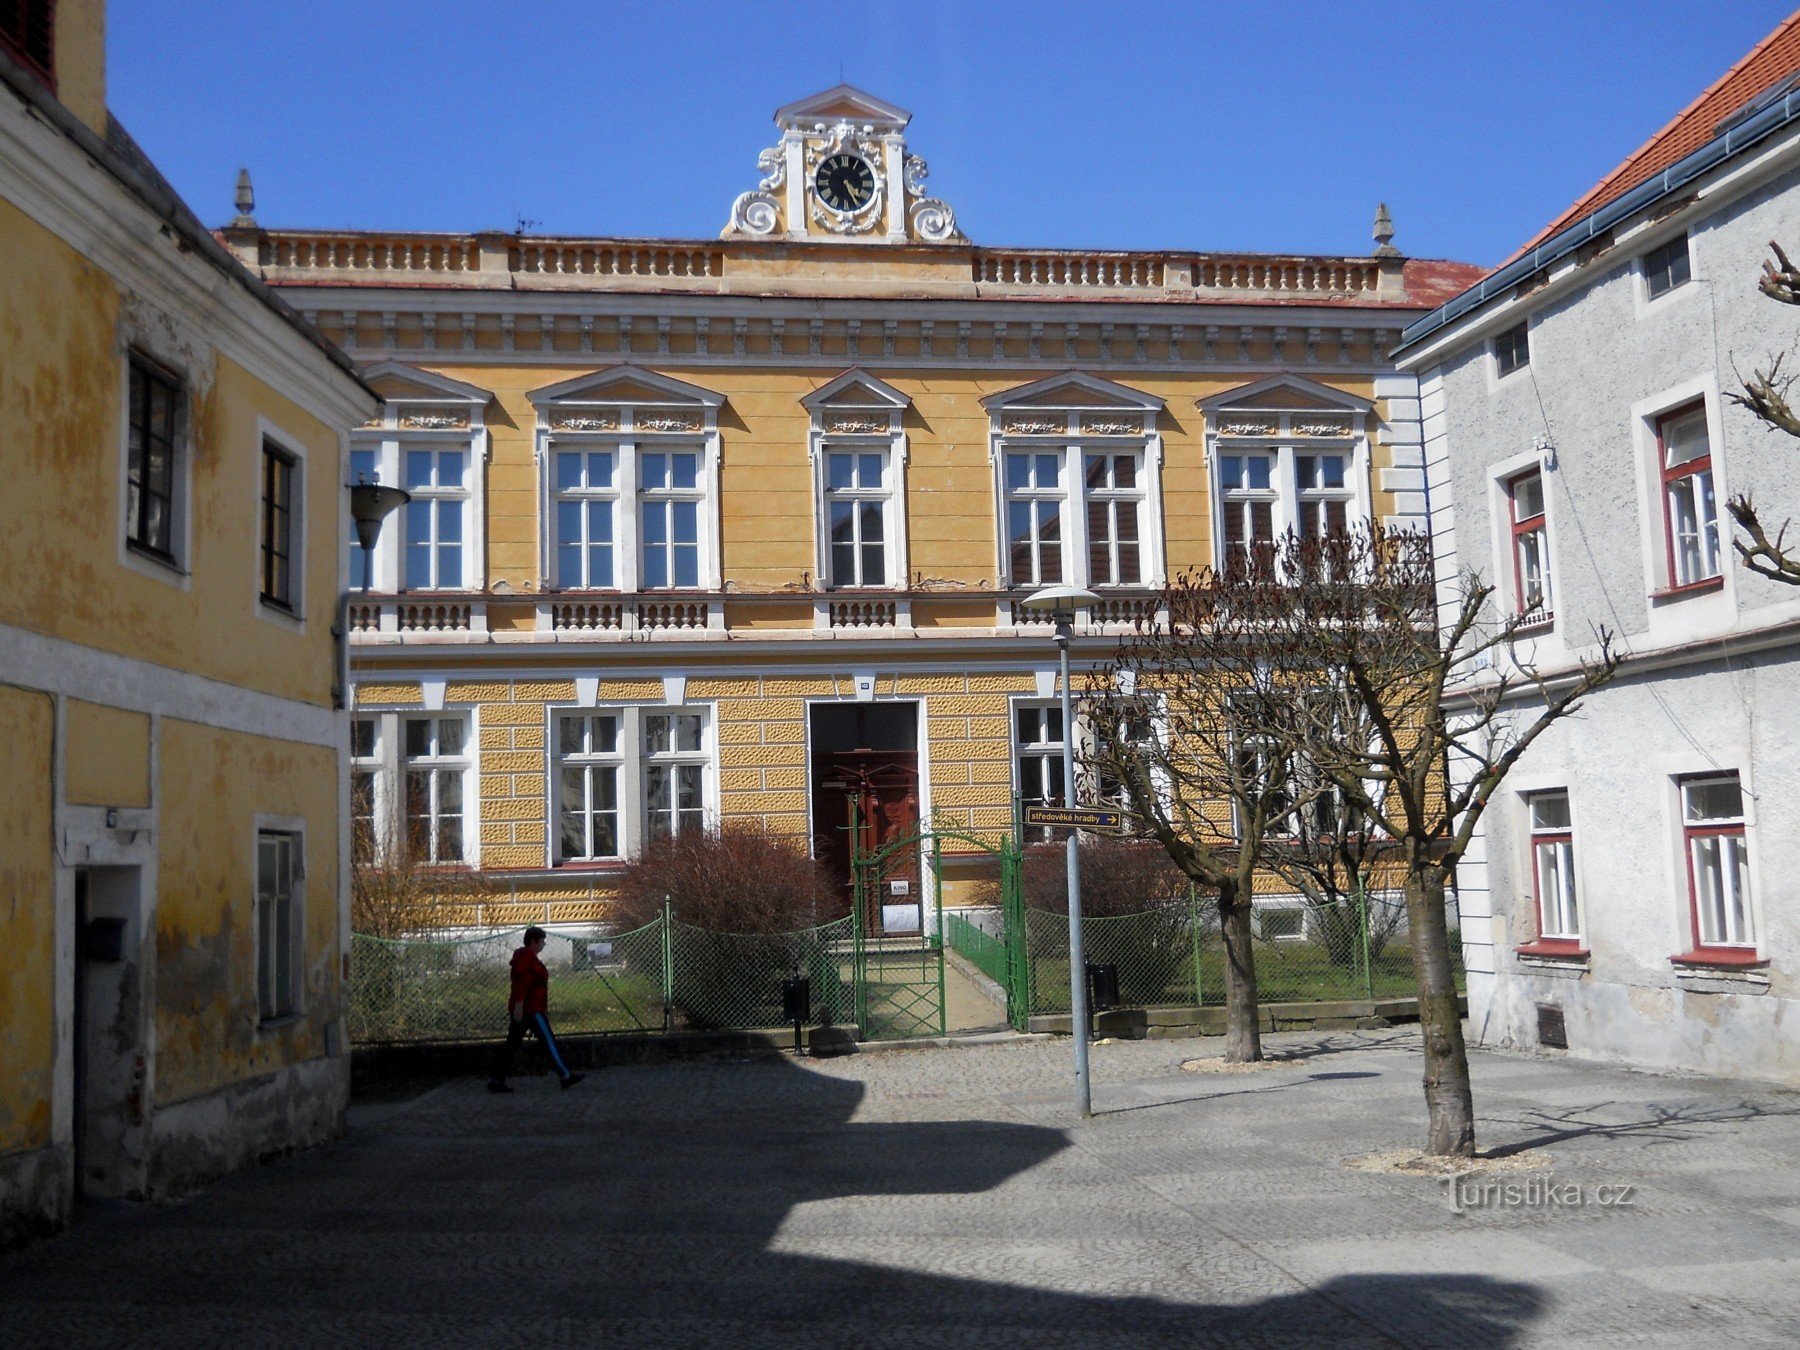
(1766,393)
(1417,707)
(1179,725)
(393,895)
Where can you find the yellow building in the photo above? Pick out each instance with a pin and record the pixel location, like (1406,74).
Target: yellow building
(172,896)
(736,529)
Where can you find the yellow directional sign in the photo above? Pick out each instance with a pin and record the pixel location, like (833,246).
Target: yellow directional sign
(1076,817)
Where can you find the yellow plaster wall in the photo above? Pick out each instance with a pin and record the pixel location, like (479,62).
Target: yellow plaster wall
(213,785)
(80,60)
(27,921)
(106,756)
(60,516)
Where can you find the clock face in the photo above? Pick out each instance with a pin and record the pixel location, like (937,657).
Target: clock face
(845,182)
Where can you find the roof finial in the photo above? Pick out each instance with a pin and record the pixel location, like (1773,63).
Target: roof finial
(1384,233)
(246,202)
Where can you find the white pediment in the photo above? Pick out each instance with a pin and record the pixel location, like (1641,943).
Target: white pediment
(855,389)
(398,382)
(1072,389)
(1285,393)
(628,386)
(843,103)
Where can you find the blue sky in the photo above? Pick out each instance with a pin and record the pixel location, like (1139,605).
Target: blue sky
(1273,126)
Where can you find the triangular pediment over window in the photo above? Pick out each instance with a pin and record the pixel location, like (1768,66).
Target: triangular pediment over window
(1285,393)
(628,385)
(843,103)
(855,389)
(1073,389)
(397,382)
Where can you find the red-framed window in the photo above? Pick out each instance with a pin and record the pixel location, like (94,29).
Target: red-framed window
(1690,506)
(1553,868)
(1718,867)
(1530,544)
(28,35)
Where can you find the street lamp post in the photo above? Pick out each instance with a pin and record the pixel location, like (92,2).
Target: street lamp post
(1060,603)
(370,504)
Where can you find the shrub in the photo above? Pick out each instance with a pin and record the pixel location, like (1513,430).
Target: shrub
(738,879)
(1118,876)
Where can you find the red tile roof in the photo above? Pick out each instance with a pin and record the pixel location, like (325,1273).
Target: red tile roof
(1768,63)
(1433,281)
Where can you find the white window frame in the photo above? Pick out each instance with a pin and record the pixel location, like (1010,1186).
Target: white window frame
(287,833)
(1116,500)
(1642,267)
(631,758)
(293,616)
(378,765)
(175,570)
(1561,840)
(585,496)
(1070,416)
(1681,613)
(1040,750)
(463,763)
(1743,935)
(431,497)
(635,412)
(588,760)
(1259,419)
(856,413)
(421,407)
(886,500)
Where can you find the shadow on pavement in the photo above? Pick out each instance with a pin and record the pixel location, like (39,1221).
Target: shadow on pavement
(658,1207)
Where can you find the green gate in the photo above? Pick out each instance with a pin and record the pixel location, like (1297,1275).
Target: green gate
(899,963)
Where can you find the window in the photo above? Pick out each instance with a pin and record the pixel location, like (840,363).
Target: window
(1530,544)
(150,477)
(669,509)
(365,775)
(1115,503)
(586,515)
(28,32)
(1265,775)
(435,517)
(277,526)
(1034,507)
(365,467)
(1248,498)
(1512,350)
(674,763)
(856,505)
(1284,924)
(435,772)
(1667,267)
(1690,515)
(1325,495)
(1553,865)
(590,761)
(277,931)
(1718,861)
(1038,757)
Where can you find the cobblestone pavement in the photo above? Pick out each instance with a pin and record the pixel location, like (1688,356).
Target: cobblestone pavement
(949,1197)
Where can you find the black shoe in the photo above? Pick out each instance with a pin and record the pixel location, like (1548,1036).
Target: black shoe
(573,1079)
(498,1085)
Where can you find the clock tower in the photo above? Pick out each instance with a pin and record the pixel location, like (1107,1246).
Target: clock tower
(841,172)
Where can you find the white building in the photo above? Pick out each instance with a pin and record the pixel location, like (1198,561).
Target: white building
(1637,887)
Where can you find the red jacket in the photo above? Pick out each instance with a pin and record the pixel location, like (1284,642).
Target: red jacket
(530,982)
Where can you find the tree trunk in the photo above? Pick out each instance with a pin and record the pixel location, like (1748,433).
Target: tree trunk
(1243,1038)
(1448,1101)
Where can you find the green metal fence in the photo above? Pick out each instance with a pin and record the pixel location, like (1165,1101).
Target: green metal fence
(670,976)
(982,949)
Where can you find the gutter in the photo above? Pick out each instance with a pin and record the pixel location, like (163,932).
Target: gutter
(1766,123)
(163,202)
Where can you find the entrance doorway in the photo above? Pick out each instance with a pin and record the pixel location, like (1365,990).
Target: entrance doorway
(865,795)
(108,1057)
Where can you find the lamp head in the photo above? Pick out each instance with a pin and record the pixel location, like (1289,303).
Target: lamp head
(370,504)
(1055,600)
